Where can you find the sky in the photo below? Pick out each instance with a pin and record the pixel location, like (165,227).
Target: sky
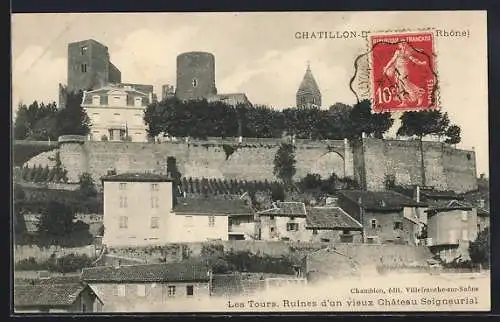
(256,53)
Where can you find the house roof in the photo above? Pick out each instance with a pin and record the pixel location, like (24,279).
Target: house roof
(47,294)
(437,194)
(452,205)
(286,208)
(137,177)
(380,200)
(211,206)
(116,88)
(330,218)
(239,98)
(185,271)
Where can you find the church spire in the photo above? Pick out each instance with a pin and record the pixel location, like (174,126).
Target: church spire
(308,94)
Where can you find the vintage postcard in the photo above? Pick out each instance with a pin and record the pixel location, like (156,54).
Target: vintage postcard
(250,162)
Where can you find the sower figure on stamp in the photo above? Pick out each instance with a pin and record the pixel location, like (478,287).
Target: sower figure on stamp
(397,67)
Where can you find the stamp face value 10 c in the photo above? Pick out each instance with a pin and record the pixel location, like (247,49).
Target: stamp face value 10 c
(403,72)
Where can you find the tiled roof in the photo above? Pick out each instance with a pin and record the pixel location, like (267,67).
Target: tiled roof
(380,200)
(68,279)
(239,98)
(436,194)
(286,208)
(137,177)
(211,206)
(444,205)
(308,84)
(330,218)
(47,294)
(186,271)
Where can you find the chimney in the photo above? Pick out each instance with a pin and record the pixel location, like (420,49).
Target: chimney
(417,197)
(331,201)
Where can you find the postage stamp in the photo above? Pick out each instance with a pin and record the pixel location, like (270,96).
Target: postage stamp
(403,75)
(213,162)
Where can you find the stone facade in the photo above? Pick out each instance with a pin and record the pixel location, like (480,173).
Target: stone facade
(195,76)
(126,297)
(89,66)
(308,94)
(368,163)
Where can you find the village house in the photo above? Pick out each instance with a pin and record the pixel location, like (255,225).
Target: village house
(332,224)
(387,216)
(284,221)
(138,287)
(116,112)
(208,218)
(75,297)
(450,229)
(141,209)
(137,207)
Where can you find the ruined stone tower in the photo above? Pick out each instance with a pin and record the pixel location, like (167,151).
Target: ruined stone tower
(195,76)
(308,94)
(89,66)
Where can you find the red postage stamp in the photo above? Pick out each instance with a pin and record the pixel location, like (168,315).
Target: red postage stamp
(403,72)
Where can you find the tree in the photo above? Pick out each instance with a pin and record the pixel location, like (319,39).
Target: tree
(87,186)
(36,122)
(453,134)
(423,123)
(361,119)
(56,221)
(311,181)
(277,193)
(173,171)
(73,119)
(284,163)
(479,249)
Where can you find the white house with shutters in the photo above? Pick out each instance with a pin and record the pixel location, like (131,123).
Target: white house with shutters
(116,113)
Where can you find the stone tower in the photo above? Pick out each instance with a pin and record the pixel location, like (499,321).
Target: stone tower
(308,94)
(195,76)
(89,66)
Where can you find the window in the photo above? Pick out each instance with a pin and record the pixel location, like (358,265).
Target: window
(315,232)
(398,225)
(123,202)
(211,221)
(346,232)
(155,222)
(189,290)
(292,226)
(154,187)
(154,202)
(141,290)
(83,50)
(374,223)
(111,135)
(171,290)
(465,234)
(188,221)
(96,100)
(123,186)
(138,101)
(464,215)
(83,68)
(84,307)
(123,222)
(120,290)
